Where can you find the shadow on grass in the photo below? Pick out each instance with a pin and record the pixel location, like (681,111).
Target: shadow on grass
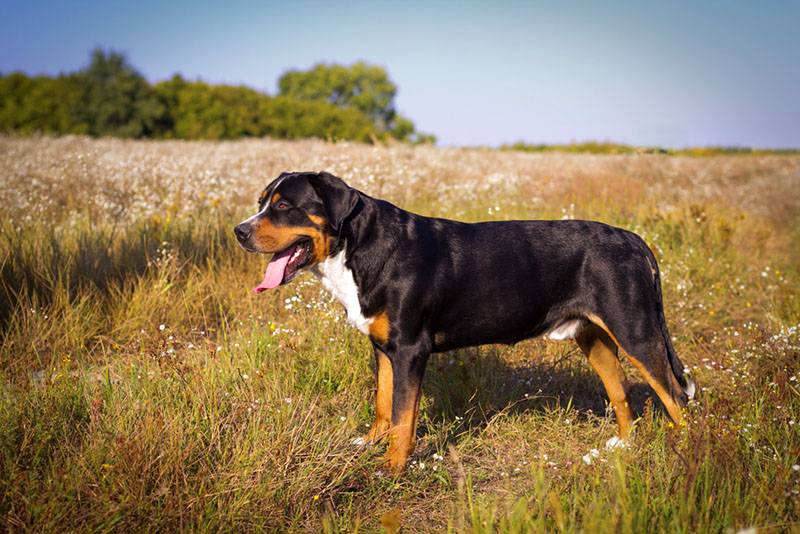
(470,386)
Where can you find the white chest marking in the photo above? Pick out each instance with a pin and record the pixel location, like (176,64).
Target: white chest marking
(567,330)
(338,280)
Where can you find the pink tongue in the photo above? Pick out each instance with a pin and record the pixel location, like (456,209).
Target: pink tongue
(274,275)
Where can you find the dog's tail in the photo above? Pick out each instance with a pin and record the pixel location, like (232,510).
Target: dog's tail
(678,369)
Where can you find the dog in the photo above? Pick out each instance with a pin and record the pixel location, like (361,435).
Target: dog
(418,285)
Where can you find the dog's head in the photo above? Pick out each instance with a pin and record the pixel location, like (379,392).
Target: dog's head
(300,214)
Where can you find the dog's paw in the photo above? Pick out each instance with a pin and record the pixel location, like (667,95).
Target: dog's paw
(616,442)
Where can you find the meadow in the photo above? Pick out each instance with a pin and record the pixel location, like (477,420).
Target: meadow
(144,387)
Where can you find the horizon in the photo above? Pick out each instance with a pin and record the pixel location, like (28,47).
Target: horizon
(693,76)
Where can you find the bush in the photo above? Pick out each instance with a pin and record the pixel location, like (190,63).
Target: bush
(111,98)
(116,100)
(360,86)
(198,110)
(40,105)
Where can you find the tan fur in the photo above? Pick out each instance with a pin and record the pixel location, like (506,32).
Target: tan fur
(402,437)
(270,238)
(383,401)
(379,328)
(602,355)
(402,434)
(666,398)
(669,403)
(316,219)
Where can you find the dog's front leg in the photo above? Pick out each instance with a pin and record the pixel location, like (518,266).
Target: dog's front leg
(383,399)
(408,368)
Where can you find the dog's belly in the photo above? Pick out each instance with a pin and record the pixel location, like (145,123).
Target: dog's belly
(506,316)
(460,337)
(476,330)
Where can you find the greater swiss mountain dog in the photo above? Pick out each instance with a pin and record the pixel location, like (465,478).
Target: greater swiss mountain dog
(417,285)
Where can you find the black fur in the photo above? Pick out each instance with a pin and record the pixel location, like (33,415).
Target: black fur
(446,284)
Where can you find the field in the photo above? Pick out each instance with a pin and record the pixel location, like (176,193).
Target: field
(144,387)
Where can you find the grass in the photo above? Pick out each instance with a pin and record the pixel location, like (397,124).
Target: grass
(143,386)
(607,147)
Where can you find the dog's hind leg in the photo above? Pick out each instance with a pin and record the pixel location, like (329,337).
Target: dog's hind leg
(629,307)
(644,345)
(663,383)
(601,351)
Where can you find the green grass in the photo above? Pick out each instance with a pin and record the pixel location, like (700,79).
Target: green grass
(144,387)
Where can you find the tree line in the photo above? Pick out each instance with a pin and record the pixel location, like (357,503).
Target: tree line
(109,97)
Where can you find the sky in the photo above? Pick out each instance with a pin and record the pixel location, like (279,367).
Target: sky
(662,73)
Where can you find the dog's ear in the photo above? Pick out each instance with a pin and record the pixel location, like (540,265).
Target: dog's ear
(338,198)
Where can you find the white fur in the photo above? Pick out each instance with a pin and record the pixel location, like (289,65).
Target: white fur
(253,218)
(566,330)
(338,279)
(690,388)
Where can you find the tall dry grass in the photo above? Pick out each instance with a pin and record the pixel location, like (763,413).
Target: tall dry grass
(142,385)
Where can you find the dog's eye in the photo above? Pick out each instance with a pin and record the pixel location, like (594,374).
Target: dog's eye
(283,205)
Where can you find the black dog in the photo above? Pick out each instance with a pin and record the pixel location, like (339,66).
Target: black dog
(417,285)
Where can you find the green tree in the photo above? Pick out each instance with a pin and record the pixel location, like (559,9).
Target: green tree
(364,87)
(40,104)
(360,86)
(109,97)
(294,119)
(197,110)
(117,100)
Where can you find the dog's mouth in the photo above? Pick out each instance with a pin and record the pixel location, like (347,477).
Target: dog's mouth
(285,264)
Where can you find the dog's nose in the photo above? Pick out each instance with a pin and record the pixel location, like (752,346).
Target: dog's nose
(242,231)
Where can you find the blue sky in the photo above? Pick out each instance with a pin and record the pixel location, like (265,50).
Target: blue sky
(473,73)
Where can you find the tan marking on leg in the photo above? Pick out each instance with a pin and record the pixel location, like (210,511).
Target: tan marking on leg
(401,441)
(383,401)
(403,434)
(599,322)
(601,352)
(379,328)
(666,398)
